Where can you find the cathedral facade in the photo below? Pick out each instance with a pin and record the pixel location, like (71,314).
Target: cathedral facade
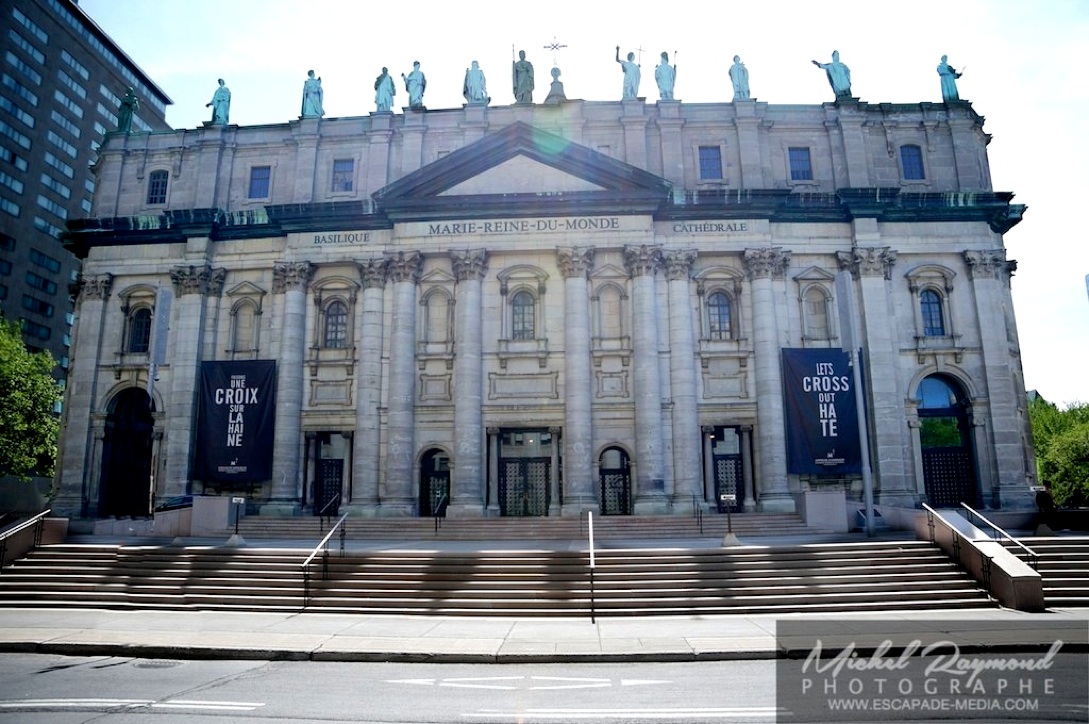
(543,310)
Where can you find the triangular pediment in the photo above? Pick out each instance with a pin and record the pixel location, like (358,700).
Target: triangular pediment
(522,170)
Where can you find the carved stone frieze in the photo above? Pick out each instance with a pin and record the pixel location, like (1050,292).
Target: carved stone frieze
(469,264)
(765,262)
(868,261)
(404,266)
(198,280)
(96,286)
(575,261)
(291,275)
(643,260)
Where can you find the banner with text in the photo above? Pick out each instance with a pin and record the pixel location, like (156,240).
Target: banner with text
(821,418)
(236,421)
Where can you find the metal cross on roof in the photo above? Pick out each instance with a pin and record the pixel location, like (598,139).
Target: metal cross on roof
(555,47)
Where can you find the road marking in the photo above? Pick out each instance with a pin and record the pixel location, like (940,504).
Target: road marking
(28,703)
(570,682)
(130,704)
(592,714)
(481,682)
(543,683)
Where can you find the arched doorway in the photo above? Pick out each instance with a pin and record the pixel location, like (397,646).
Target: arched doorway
(945,435)
(615,475)
(434,483)
(125,485)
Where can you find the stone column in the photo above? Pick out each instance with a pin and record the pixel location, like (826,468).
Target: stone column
(396,495)
(468,491)
(75,473)
(990,273)
(554,473)
(651,498)
(682,374)
(872,267)
(493,471)
(291,279)
(578,387)
(746,468)
(762,266)
(708,462)
(367,439)
(191,286)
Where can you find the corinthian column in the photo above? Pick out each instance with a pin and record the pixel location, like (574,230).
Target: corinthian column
(469,491)
(651,497)
(76,473)
(192,284)
(291,279)
(687,469)
(578,438)
(366,442)
(990,273)
(396,495)
(762,266)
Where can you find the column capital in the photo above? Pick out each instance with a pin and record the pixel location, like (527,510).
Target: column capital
(708,429)
(867,261)
(95,286)
(291,275)
(197,280)
(493,430)
(575,261)
(643,260)
(989,264)
(217,279)
(765,262)
(678,263)
(469,264)
(404,266)
(373,273)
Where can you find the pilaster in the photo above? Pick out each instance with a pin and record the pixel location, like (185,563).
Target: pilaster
(682,377)
(367,439)
(396,495)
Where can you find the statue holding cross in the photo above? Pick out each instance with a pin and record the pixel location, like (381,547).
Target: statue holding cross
(631,75)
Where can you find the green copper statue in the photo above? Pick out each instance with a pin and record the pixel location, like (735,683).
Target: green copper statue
(313,97)
(475,87)
(522,72)
(384,91)
(665,75)
(949,77)
(631,75)
(415,85)
(129,106)
(839,76)
(220,105)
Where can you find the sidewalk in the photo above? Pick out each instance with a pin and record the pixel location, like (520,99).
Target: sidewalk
(345,637)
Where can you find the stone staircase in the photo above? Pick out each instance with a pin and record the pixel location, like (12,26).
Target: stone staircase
(868,576)
(624,527)
(1064,567)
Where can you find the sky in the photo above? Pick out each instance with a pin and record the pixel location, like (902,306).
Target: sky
(1021,63)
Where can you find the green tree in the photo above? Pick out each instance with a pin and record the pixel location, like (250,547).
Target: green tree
(28,396)
(1061,438)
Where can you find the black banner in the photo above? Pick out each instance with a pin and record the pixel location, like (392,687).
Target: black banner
(821,418)
(236,421)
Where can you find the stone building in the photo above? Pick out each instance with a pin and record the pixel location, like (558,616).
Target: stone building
(542,310)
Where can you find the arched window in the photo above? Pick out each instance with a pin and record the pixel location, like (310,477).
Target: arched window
(140,331)
(523,316)
(156,187)
(718,316)
(335,330)
(816,314)
(911,159)
(930,304)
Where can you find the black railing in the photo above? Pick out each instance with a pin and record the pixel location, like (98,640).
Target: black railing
(999,534)
(31,527)
(324,514)
(323,548)
(439,513)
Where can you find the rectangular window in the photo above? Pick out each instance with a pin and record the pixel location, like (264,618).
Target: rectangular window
(10,107)
(7,243)
(156,187)
(85,204)
(911,157)
(55,185)
(259,181)
(17,63)
(14,135)
(71,83)
(30,25)
(19,89)
(6,154)
(343,175)
(75,65)
(44,260)
(800,167)
(46,228)
(107,114)
(68,103)
(34,330)
(21,42)
(61,166)
(32,304)
(40,283)
(5,267)
(11,182)
(52,206)
(9,207)
(61,144)
(65,123)
(710,163)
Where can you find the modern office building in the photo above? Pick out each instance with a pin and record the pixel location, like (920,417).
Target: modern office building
(62,81)
(619,306)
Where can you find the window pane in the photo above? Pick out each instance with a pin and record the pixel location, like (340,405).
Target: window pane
(156,187)
(343,174)
(336,326)
(912,159)
(816,314)
(931,306)
(140,331)
(259,180)
(523,317)
(800,168)
(718,314)
(710,162)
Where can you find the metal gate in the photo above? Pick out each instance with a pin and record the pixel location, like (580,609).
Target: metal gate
(327,486)
(949,478)
(728,481)
(524,486)
(434,484)
(616,491)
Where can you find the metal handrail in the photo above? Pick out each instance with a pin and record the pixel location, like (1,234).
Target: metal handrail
(1034,558)
(36,521)
(438,518)
(323,548)
(321,513)
(985,560)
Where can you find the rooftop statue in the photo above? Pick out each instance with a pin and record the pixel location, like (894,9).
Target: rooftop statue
(739,77)
(313,97)
(631,75)
(665,75)
(839,76)
(129,105)
(949,77)
(522,71)
(384,91)
(415,85)
(475,88)
(220,105)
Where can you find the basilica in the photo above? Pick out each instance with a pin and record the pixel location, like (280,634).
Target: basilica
(629,307)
